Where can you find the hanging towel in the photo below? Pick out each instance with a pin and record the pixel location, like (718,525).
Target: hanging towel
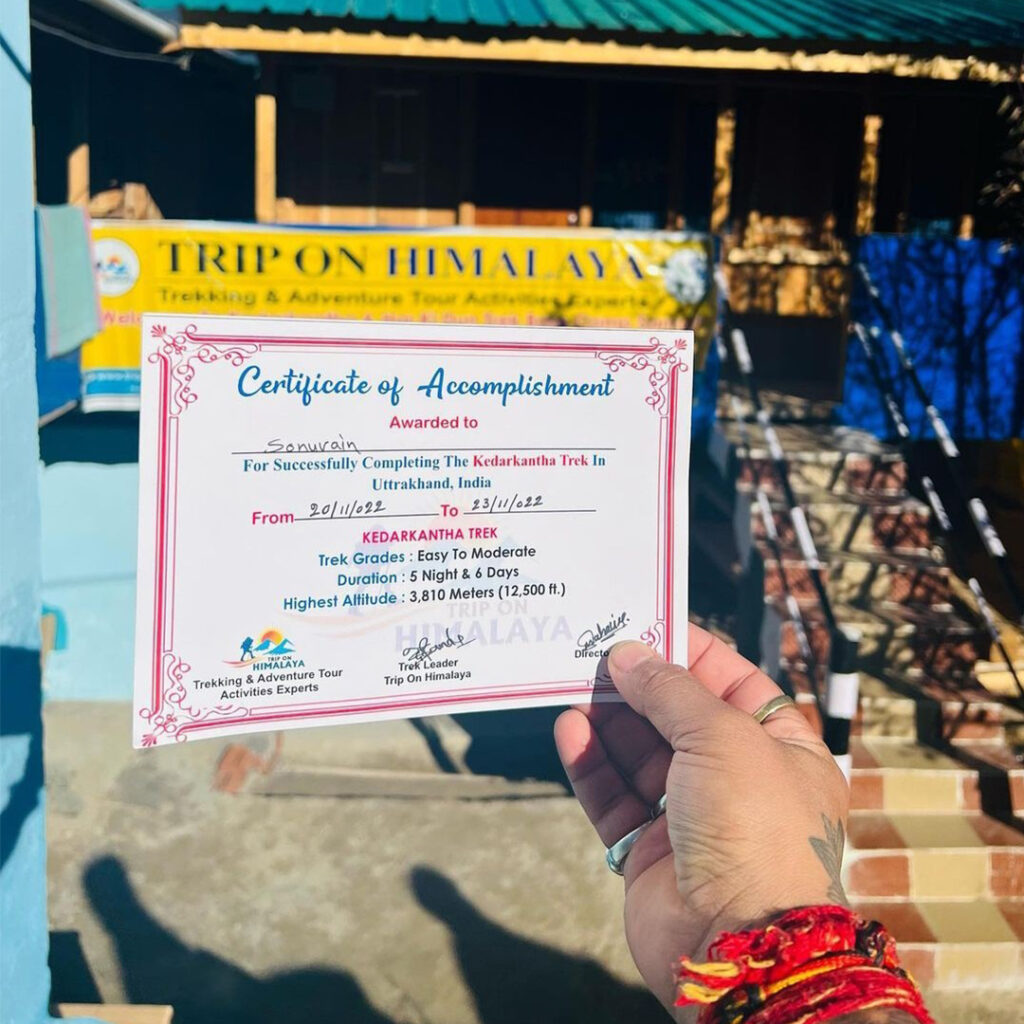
(67,280)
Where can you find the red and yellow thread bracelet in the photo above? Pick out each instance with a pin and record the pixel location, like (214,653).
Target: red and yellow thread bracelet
(808,965)
(836,993)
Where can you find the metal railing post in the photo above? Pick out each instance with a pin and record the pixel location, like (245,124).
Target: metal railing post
(842,694)
(837,727)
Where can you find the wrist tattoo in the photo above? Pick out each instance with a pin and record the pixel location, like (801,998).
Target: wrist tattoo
(830,852)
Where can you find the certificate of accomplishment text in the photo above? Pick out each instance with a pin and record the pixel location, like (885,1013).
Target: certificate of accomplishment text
(348,521)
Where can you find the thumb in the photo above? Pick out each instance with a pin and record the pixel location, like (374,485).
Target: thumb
(674,701)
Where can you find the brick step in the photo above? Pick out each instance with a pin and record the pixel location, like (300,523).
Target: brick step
(864,525)
(877,579)
(904,709)
(831,458)
(996,677)
(783,408)
(917,574)
(902,776)
(933,857)
(950,945)
(993,672)
(860,476)
(938,664)
(926,643)
(957,722)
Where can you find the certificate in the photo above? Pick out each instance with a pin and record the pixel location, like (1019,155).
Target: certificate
(348,521)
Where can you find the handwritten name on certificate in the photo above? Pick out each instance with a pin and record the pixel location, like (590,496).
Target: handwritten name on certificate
(343,521)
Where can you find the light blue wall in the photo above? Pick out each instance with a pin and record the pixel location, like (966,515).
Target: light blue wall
(89,535)
(24,977)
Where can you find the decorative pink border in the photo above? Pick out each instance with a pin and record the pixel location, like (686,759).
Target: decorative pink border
(178,357)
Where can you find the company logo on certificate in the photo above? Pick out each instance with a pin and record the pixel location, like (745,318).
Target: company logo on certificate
(349,521)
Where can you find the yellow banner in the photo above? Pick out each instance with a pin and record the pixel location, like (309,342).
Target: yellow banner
(580,278)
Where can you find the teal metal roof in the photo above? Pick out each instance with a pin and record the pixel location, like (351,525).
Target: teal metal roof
(947,23)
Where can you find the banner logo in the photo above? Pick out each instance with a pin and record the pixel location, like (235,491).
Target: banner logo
(271,647)
(117,266)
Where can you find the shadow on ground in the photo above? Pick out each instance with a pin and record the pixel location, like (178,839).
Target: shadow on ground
(157,967)
(512,979)
(22,719)
(512,744)
(515,744)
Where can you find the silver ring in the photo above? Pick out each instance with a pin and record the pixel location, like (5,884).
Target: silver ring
(616,854)
(769,707)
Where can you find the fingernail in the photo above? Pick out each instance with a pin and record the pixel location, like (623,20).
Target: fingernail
(627,654)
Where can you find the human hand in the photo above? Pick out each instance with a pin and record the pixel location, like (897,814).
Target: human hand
(755,815)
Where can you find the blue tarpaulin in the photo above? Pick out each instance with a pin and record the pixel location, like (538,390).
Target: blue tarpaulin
(705,394)
(959,305)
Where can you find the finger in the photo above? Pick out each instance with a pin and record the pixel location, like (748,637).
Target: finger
(612,807)
(727,674)
(678,704)
(635,746)
(668,696)
(790,726)
(653,846)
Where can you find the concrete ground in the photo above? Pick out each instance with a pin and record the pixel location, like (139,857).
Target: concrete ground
(405,873)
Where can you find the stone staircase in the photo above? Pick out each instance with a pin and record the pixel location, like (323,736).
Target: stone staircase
(936,833)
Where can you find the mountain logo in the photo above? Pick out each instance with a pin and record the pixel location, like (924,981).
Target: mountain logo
(272,645)
(117,266)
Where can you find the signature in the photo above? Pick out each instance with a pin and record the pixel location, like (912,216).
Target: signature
(425,650)
(340,443)
(590,638)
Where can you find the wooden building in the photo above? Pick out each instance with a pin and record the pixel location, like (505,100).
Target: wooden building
(849,116)
(786,129)
(870,115)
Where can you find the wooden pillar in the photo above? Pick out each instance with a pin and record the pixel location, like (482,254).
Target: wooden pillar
(376,81)
(590,124)
(78,185)
(266,147)
(326,171)
(867,183)
(467,151)
(907,183)
(674,207)
(725,143)
(78,175)
(970,135)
